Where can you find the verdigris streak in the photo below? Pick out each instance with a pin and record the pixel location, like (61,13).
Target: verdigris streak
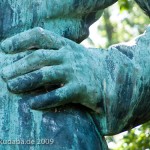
(40,69)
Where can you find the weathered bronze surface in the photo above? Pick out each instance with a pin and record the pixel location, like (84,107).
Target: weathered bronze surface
(56,94)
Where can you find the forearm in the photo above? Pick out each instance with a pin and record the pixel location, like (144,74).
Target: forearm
(70,18)
(126,86)
(76,8)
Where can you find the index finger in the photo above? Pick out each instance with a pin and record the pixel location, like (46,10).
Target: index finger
(33,38)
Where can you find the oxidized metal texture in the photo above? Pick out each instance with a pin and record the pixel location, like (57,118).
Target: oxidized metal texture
(71,127)
(126,86)
(17,121)
(70,18)
(122,75)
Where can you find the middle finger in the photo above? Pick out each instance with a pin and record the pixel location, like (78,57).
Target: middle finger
(34,61)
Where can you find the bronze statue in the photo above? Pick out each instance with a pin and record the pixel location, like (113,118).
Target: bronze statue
(56,94)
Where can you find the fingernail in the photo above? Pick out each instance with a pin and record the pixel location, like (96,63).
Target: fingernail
(13,86)
(5,74)
(6,46)
(33,104)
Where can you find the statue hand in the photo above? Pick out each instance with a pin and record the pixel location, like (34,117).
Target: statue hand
(8,59)
(58,61)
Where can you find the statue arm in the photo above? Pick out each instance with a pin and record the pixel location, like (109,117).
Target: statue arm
(114,83)
(75,8)
(126,86)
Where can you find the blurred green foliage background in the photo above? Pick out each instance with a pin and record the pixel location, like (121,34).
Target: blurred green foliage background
(120,23)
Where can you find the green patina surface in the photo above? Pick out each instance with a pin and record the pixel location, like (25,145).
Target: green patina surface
(41,69)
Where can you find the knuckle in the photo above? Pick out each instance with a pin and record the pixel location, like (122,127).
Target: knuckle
(39,32)
(67,58)
(38,29)
(39,54)
(45,69)
(66,68)
(70,55)
(68,48)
